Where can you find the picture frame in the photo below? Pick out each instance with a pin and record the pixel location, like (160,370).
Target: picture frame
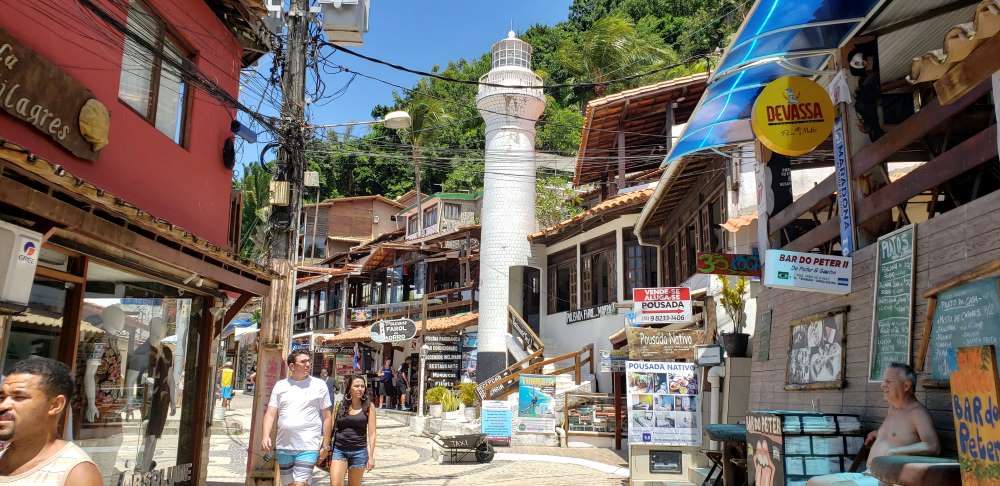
(817,345)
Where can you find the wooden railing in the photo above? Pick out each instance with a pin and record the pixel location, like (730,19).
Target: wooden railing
(501,388)
(971,153)
(447,302)
(522,332)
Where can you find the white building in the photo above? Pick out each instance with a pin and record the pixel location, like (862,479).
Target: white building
(508,210)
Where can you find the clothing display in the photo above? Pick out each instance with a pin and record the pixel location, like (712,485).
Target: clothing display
(299,403)
(161,361)
(52,471)
(109,386)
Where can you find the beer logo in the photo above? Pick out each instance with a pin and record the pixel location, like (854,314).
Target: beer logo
(29,249)
(792,115)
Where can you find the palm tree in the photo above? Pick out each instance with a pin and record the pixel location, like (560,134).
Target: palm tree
(613,48)
(425,112)
(255,185)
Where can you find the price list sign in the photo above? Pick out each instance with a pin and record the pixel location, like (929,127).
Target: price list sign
(892,309)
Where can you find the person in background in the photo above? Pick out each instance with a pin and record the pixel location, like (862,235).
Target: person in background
(300,404)
(251,381)
(331,384)
(226,383)
(33,398)
(353,434)
(400,385)
(386,382)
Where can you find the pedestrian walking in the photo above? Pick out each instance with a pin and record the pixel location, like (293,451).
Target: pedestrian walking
(32,401)
(300,404)
(386,385)
(226,383)
(400,384)
(353,434)
(331,384)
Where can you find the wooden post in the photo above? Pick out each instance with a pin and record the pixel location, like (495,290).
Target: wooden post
(576,367)
(423,313)
(616,397)
(203,396)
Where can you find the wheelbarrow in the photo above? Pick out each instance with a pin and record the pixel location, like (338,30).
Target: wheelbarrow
(458,447)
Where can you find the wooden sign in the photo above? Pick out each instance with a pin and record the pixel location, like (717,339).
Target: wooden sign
(892,308)
(964,315)
(645,343)
(816,352)
(765,445)
(729,264)
(37,92)
(393,330)
(975,392)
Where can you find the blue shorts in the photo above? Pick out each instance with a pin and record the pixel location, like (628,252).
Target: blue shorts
(355,459)
(296,466)
(227,392)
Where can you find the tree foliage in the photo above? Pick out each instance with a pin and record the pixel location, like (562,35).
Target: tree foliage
(555,200)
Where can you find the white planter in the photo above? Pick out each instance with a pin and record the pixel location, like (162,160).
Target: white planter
(436,410)
(455,415)
(471,413)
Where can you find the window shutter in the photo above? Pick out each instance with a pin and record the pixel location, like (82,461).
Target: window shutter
(551,291)
(612,280)
(587,282)
(572,287)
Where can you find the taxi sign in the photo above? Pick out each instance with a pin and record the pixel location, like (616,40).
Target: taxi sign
(792,115)
(662,305)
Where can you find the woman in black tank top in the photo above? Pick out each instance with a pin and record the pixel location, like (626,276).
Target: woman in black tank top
(353,434)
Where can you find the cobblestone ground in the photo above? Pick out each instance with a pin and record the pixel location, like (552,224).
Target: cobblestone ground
(402,458)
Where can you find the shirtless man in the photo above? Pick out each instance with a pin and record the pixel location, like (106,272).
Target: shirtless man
(907,430)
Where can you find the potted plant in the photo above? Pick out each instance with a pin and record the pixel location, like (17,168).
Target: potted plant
(467,395)
(733,300)
(435,398)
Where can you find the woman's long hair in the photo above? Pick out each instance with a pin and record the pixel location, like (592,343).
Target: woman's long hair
(366,400)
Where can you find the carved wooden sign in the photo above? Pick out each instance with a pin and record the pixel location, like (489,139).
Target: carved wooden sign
(37,92)
(646,343)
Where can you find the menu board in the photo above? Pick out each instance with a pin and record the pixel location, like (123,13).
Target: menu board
(966,315)
(663,403)
(893,301)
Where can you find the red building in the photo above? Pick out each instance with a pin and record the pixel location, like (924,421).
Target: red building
(114,120)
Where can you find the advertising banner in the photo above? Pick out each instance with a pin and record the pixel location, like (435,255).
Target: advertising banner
(792,270)
(497,421)
(536,409)
(792,115)
(765,442)
(613,360)
(729,264)
(663,305)
(663,403)
(658,344)
(975,393)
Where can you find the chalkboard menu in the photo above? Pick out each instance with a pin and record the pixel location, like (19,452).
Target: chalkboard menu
(893,301)
(966,315)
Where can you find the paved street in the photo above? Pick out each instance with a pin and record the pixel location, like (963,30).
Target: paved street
(402,458)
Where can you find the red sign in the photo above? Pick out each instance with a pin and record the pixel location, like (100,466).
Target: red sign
(662,305)
(729,264)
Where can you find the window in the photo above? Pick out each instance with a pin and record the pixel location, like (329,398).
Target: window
(713,235)
(335,301)
(430,216)
(691,248)
(671,256)
(151,83)
(597,268)
(562,281)
(640,264)
(451,211)
(411,225)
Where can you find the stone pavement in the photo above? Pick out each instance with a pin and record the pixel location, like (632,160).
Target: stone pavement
(402,458)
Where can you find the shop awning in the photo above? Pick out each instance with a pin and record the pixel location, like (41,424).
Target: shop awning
(234,325)
(778,38)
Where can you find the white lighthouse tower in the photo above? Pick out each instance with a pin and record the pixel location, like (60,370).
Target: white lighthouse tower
(508,214)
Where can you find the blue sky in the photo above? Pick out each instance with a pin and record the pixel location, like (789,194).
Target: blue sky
(416,34)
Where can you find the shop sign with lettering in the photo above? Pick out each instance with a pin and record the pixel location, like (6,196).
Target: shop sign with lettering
(792,115)
(169,476)
(729,264)
(975,396)
(393,330)
(813,272)
(37,92)
(646,343)
(591,313)
(664,305)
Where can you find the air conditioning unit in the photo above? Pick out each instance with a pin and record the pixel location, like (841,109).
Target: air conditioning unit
(311,178)
(19,249)
(279,193)
(345,21)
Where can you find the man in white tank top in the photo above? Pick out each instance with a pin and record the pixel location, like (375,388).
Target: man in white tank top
(32,400)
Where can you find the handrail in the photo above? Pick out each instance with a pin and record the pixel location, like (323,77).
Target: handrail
(576,367)
(448,291)
(525,327)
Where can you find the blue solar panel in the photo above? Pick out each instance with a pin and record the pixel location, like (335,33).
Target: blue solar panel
(778,38)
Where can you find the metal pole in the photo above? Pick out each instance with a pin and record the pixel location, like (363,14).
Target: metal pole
(423,380)
(315,223)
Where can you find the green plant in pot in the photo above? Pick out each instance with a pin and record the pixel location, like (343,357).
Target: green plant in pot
(733,300)
(468,396)
(440,399)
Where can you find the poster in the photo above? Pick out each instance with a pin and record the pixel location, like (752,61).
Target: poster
(536,408)
(810,272)
(975,393)
(470,355)
(497,421)
(816,352)
(663,305)
(765,466)
(663,403)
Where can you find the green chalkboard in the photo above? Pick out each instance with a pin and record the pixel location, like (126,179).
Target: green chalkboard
(967,315)
(892,306)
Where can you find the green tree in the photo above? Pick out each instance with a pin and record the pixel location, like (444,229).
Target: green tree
(466,176)
(555,200)
(254,183)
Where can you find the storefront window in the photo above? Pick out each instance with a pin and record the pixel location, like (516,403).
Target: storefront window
(640,264)
(131,374)
(562,281)
(597,268)
(37,331)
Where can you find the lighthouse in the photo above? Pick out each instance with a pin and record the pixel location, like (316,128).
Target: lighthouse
(511,101)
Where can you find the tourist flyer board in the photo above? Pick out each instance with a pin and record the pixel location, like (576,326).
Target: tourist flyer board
(663,305)
(497,421)
(663,403)
(536,410)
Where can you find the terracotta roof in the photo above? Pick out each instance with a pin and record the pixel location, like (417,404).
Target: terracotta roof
(437,325)
(734,224)
(636,198)
(958,42)
(338,200)
(641,114)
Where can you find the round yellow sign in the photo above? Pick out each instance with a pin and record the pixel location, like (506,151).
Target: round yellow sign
(792,115)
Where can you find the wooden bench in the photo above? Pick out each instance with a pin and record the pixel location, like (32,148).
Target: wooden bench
(916,470)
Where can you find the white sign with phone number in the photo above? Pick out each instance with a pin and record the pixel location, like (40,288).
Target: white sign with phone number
(663,305)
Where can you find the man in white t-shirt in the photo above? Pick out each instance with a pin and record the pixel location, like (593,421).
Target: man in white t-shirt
(301,406)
